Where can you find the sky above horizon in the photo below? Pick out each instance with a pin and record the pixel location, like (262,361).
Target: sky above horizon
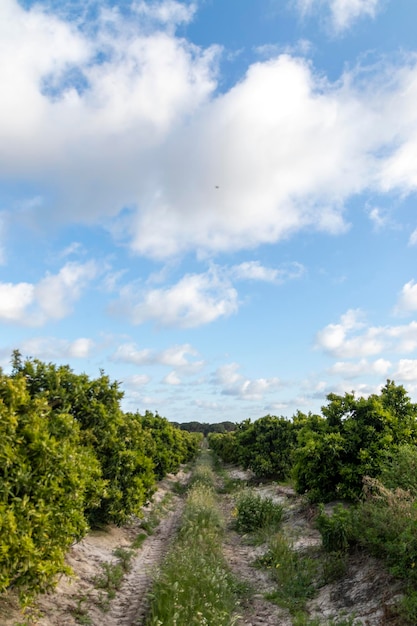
(212,201)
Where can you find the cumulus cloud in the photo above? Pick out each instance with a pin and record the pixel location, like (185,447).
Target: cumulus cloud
(406,370)
(56,293)
(54,348)
(342,12)
(407,301)
(352,338)
(195,300)
(96,117)
(51,298)
(349,370)
(179,356)
(232,383)
(15,299)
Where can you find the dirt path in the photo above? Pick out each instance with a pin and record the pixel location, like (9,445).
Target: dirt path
(130,606)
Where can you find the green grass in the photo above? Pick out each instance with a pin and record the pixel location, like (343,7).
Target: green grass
(194,585)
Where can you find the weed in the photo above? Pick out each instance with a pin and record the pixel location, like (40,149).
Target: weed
(179,488)
(138,540)
(125,557)
(253,513)
(80,612)
(111,578)
(293,572)
(336,529)
(406,608)
(149,524)
(333,567)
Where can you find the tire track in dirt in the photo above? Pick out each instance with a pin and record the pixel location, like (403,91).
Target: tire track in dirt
(131,605)
(256,611)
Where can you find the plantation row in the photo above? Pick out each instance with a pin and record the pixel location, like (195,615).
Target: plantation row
(70,460)
(362,451)
(328,455)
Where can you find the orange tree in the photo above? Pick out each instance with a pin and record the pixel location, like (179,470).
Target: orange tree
(46,479)
(353,441)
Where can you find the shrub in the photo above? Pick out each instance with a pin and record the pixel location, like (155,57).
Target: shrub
(254,512)
(46,476)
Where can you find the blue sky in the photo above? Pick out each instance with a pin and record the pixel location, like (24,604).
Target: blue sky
(213,201)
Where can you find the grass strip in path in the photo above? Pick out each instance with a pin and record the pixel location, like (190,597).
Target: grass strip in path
(194,585)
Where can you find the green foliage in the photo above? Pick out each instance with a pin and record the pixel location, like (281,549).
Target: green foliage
(110,578)
(406,608)
(254,512)
(264,446)
(355,440)
(70,458)
(46,479)
(385,524)
(170,446)
(225,446)
(336,529)
(206,429)
(293,573)
(399,468)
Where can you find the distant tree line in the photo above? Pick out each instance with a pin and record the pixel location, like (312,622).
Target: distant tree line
(206,429)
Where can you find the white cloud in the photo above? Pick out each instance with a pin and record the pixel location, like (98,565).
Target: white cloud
(378,218)
(253,270)
(406,370)
(15,299)
(128,353)
(170,12)
(177,356)
(195,300)
(349,370)
(87,123)
(51,298)
(342,12)
(407,302)
(135,381)
(172,379)
(54,348)
(235,384)
(413,238)
(56,293)
(351,339)
(108,133)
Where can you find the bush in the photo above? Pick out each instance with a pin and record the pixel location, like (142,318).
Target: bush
(46,477)
(253,513)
